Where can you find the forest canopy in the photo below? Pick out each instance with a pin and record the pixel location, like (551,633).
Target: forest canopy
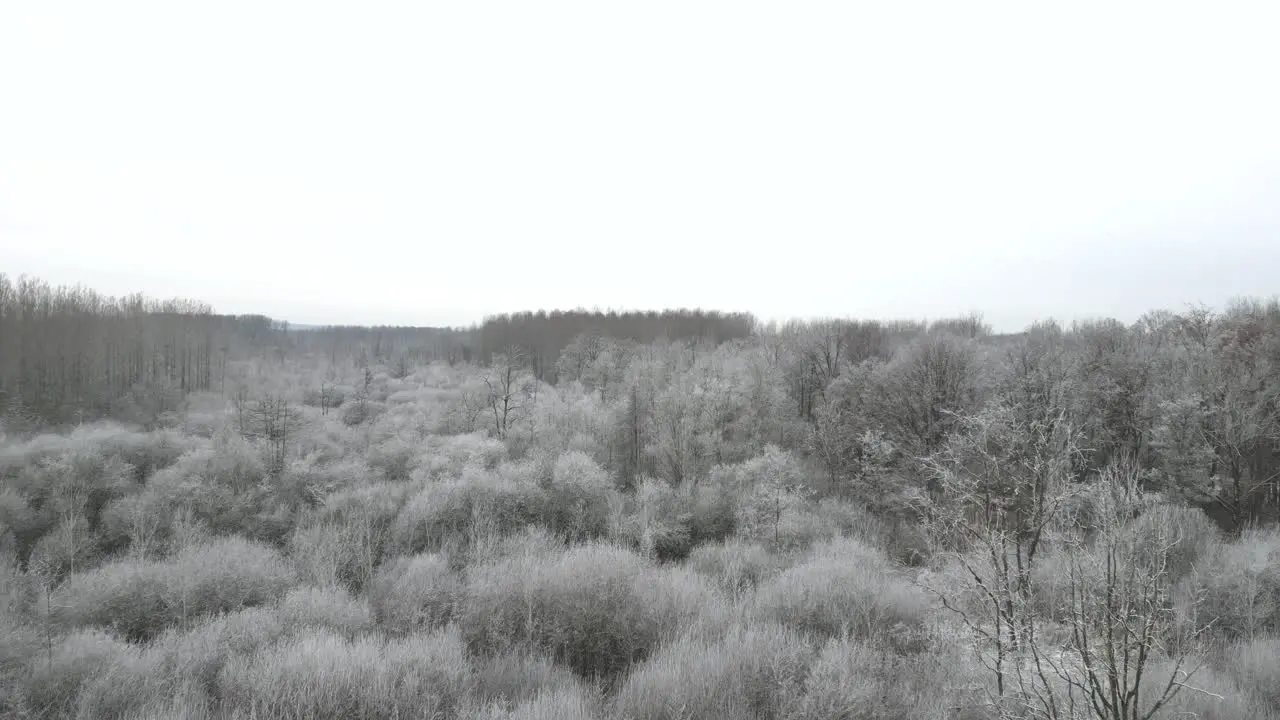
(587,514)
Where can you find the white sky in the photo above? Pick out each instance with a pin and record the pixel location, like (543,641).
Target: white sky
(428,162)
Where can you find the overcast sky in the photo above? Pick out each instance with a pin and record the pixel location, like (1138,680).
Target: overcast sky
(429,162)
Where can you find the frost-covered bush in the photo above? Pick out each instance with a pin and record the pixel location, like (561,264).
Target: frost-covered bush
(510,679)
(395,458)
(580,501)
(595,608)
(345,540)
(67,548)
(1256,665)
(1237,587)
(844,588)
(853,679)
(174,676)
(323,675)
(751,672)
(415,592)
(141,598)
(330,608)
(670,522)
(144,452)
(452,514)
(735,566)
(359,413)
(53,688)
(568,703)
(1184,535)
(446,456)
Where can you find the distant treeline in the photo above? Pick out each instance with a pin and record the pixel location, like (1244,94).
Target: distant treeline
(68,353)
(541,336)
(385,344)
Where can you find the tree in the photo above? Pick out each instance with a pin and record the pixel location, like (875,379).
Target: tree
(605,371)
(846,437)
(578,355)
(920,395)
(400,369)
(275,422)
(1007,493)
(508,391)
(772,490)
(1112,399)
(361,408)
(72,355)
(1119,612)
(1216,422)
(631,433)
(673,418)
(1037,372)
(1002,484)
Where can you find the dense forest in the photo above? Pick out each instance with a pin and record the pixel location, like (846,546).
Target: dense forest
(636,515)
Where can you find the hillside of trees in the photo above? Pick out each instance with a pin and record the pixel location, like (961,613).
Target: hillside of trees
(636,515)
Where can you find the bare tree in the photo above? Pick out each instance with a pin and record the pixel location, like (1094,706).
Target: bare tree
(275,422)
(68,352)
(1119,612)
(1002,485)
(1006,494)
(400,369)
(930,383)
(508,390)
(360,409)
